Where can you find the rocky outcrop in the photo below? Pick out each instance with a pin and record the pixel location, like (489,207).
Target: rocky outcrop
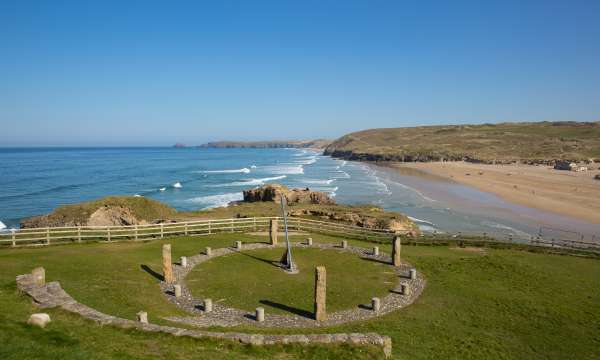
(377,220)
(113,215)
(273,193)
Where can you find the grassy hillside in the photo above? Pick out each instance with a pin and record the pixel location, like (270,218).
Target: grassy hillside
(541,142)
(478,304)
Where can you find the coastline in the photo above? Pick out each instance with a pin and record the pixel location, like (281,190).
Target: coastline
(571,194)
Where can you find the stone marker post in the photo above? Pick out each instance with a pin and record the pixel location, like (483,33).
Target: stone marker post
(142,317)
(177,290)
(320,293)
(183,261)
(167,265)
(208,251)
(396,251)
(344,244)
(405,289)
(238,245)
(413,274)
(208,305)
(39,276)
(376,251)
(260,314)
(309,241)
(273,231)
(375,304)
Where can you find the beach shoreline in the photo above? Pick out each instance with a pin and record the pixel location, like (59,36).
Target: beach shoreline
(571,194)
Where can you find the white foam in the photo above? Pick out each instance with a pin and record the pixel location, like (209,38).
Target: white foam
(2,226)
(307,161)
(177,185)
(220,200)
(421,221)
(137,195)
(261,181)
(342,175)
(285,169)
(162,189)
(319,182)
(233,171)
(253,167)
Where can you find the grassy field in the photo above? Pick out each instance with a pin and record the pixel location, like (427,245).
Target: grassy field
(488,142)
(257,282)
(483,304)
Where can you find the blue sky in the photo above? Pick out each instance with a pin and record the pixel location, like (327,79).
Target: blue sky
(154,73)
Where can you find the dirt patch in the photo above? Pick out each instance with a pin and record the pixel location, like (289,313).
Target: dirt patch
(471,249)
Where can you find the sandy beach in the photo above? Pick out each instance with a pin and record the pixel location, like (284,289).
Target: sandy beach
(572,194)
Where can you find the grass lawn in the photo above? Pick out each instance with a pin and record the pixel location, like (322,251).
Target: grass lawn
(496,304)
(249,279)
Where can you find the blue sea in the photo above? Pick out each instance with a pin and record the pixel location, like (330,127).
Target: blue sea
(34,181)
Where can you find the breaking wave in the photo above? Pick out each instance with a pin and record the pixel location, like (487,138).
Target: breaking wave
(319,182)
(234,171)
(285,169)
(221,200)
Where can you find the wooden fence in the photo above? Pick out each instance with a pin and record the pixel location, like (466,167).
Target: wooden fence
(81,234)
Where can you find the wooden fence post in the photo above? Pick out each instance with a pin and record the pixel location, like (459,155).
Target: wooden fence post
(47,236)
(254,221)
(209,230)
(78,234)
(135,232)
(231,225)
(185,228)
(162,230)
(14,237)
(108,233)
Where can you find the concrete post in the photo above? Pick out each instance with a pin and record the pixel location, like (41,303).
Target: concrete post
(396,251)
(183,261)
(208,251)
(405,288)
(413,274)
(177,290)
(376,251)
(375,304)
(260,314)
(344,244)
(273,231)
(167,265)
(208,305)
(238,245)
(309,242)
(142,317)
(39,276)
(320,293)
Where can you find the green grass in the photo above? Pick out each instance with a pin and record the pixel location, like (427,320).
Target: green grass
(503,304)
(486,142)
(351,281)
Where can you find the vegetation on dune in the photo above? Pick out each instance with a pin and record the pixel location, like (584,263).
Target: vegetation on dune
(479,303)
(543,142)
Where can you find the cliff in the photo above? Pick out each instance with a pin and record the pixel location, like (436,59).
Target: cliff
(534,143)
(273,192)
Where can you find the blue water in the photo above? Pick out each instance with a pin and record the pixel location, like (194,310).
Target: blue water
(35,181)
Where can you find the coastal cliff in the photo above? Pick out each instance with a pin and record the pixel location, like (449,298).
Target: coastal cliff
(529,143)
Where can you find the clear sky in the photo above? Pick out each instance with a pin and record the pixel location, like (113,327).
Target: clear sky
(159,72)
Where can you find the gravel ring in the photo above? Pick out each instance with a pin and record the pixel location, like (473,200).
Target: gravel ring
(225,316)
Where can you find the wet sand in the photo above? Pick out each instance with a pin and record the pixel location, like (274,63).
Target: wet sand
(572,194)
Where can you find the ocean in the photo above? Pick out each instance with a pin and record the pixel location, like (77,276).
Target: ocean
(34,181)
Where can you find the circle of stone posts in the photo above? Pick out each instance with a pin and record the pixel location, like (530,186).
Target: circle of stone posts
(206,313)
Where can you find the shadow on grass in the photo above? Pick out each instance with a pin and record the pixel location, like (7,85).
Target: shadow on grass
(293,310)
(149,270)
(375,260)
(266,261)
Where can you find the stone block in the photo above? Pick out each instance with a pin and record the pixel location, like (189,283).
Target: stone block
(142,317)
(344,244)
(39,276)
(405,289)
(375,304)
(376,251)
(238,245)
(40,320)
(177,290)
(260,314)
(273,231)
(413,274)
(183,261)
(309,241)
(208,305)
(208,251)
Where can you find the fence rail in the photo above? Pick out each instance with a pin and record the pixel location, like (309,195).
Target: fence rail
(80,234)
